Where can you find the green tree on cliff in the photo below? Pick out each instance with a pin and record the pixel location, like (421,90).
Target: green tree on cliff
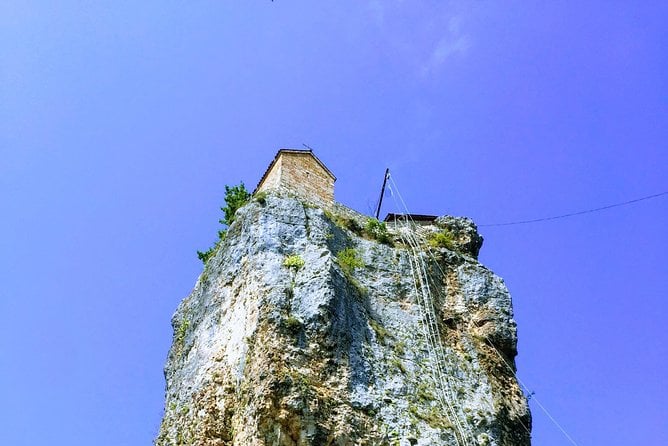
(235,197)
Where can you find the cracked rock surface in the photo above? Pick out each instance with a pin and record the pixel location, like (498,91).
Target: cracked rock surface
(333,354)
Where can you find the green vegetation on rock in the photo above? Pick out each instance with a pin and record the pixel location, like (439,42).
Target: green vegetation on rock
(294,261)
(380,330)
(349,260)
(235,198)
(442,239)
(377,230)
(180,334)
(343,222)
(261,197)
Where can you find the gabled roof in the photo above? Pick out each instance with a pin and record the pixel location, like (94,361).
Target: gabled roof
(414,217)
(295,151)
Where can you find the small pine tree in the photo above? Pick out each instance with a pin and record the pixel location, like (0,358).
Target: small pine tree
(235,197)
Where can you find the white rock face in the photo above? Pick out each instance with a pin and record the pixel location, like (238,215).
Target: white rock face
(331,353)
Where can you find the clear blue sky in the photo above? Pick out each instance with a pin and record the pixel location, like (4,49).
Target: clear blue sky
(121,122)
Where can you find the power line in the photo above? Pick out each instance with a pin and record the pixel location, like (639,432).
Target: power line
(572,214)
(556,423)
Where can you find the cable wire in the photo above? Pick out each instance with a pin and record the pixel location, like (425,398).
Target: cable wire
(556,423)
(572,214)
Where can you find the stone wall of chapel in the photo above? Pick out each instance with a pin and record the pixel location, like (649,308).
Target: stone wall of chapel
(273,178)
(302,174)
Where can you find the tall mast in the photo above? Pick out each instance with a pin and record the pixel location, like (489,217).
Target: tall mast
(382,192)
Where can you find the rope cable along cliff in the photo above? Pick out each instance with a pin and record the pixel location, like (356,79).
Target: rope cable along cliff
(514,373)
(434,260)
(445,391)
(443,387)
(437,343)
(426,329)
(434,340)
(442,397)
(405,207)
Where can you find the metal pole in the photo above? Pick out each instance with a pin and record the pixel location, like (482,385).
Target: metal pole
(382,192)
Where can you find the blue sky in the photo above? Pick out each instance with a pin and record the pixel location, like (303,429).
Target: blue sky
(121,122)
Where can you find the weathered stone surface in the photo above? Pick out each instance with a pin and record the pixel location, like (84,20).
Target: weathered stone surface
(464,231)
(265,354)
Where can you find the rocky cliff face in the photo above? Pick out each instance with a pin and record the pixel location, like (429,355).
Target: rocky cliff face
(362,343)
